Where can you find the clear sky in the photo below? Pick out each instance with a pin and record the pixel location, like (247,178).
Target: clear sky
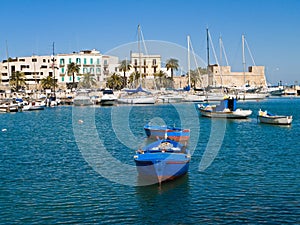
(271,28)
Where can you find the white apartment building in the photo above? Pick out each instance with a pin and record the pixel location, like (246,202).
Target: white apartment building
(35,68)
(90,62)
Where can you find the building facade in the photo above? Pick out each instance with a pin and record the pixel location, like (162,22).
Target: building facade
(223,76)
(36,68)
(148,64)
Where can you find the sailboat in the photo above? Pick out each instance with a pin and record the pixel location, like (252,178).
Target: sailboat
(188,96)
(139,95)
(248,93)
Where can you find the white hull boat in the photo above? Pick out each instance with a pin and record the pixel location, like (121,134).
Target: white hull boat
(265,117)
(226,109)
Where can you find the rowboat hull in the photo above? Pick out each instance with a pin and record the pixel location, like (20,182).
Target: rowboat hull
(277,120)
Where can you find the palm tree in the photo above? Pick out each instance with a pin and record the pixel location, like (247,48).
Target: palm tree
(115,81)
(87,81)
(47,83)
(125,66)
(17,79)
(173,65)
(162,76)
(72,69)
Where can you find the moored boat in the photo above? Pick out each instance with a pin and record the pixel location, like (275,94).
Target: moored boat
(267,117)
(33,105)
(162,160)
(108,97)
(82,98)
(226,109)
(172,132)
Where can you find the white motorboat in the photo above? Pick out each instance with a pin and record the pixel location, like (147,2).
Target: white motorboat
(267,117)
(108,97)
(82,98)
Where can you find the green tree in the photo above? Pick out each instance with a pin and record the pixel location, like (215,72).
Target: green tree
(48,83)
(72,69)
(125,66)
(162,76)
(115,81)
(173,65)
(17,80)
(87,81)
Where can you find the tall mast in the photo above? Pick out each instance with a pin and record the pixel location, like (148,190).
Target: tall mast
(8,71)
(139,49)
(189,61)
(53,66)
(244,61)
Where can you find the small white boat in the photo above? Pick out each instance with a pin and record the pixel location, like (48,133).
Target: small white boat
(34,105)
(82,98)
(108,97)
(226,109)
(266,117)
(9,107)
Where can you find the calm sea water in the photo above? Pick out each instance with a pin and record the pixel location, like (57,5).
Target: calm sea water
(241,171)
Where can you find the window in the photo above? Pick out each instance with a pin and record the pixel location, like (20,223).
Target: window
(78,61)
(62,70)
(70,78)
(44,60)
(78,78)
(91,61)
(135,62)
(21,60)
(98,70)
(70,60)
(98,61)
(34,59)
(84,61)
(105,62)
(43,67)
(63,79)
(145,62)
(154,62)
(92,70)
(62,61)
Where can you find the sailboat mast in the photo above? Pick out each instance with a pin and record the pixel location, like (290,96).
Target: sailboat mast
(53,66)
(244,61)
(189,61)
(139,49)
(8,71)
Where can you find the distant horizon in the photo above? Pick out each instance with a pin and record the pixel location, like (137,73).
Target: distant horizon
(271,29)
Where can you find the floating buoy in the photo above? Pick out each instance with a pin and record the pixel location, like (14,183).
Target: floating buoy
(3,130)
(80,121)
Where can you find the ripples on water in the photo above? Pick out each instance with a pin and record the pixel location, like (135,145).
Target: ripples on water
(44,178)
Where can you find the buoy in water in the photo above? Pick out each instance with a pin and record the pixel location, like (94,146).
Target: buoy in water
(3,130)
(80,121)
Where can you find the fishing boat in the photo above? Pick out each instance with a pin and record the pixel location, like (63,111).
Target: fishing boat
(108,97)
(267,117)
(226,109)
(172,132)
(162,160)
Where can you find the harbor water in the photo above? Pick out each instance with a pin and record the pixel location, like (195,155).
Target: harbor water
(74,165)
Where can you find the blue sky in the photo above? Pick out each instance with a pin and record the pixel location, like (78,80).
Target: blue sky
(271,28)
